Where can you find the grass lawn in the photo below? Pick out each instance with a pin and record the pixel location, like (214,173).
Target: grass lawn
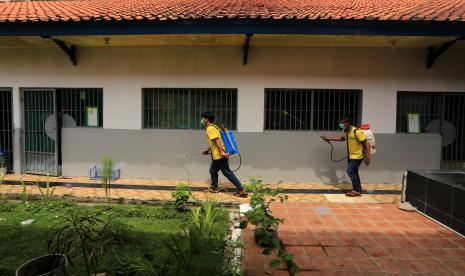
(146,232)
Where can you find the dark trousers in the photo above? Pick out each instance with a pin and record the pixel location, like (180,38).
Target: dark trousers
(352,171)
(223,165)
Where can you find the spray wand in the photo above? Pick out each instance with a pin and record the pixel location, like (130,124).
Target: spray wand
(292,116)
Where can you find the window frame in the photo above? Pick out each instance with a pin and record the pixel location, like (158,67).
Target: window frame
(358,120)
(234,109)
(101,114)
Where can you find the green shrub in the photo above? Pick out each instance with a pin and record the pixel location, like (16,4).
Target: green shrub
(181,196)
(266,225)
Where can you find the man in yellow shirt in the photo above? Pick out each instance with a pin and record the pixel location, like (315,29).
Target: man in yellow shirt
(219,156)
(358,150)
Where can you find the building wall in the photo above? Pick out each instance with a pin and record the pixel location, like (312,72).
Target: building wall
(122,72)
(274,156)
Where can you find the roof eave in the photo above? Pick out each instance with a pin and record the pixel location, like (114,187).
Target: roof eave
(236,26)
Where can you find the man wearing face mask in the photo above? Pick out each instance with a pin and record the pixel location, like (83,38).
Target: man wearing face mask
(219,156)
(358,151)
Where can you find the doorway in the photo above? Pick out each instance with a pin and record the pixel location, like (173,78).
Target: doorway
(46,111)
(40,148)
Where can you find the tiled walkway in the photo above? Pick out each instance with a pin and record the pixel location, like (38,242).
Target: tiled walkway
(360,239)
(164,187)
(328,233)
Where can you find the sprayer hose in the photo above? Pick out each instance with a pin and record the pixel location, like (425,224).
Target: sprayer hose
(332,150)
(240,164)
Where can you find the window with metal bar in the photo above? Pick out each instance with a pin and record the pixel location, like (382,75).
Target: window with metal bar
(180,108)
(426,104)
(310,109)
(439,112)
(74,102)
(6,126)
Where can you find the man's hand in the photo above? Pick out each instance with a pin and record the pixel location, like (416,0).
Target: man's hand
(206,152)
(325,139)
(367,160)
(225,154)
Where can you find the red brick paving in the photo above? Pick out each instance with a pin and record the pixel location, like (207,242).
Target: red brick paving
(359,239)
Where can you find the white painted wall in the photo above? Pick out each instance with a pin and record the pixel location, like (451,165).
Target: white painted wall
(122,72)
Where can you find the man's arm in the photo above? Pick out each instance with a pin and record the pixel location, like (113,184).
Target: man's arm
(219,146)
(367,152)
(335,139)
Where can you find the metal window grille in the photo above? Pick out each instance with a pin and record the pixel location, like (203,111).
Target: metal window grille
(74,102)
(6,126)
(181,108)
(428,105)
(440,108)
(310,109)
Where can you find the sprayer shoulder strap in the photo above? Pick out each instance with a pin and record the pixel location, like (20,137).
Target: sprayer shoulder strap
(215,126)
(355,133)
(219,130)
(347,140)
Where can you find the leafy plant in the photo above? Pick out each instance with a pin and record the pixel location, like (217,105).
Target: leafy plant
(135,265)
(107,173)
(48,193)
(24,196)
(262,197)
(202,220)
(3,196)
(199,236)
(181,196)
(82,234)
(266,225)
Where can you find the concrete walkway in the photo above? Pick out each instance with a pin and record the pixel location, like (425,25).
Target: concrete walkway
(359,239)
(145,189)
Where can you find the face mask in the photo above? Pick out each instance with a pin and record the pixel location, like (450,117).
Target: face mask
(202,122)
(341,126)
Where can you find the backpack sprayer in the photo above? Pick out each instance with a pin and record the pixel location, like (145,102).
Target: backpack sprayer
(365,128)
(229,143)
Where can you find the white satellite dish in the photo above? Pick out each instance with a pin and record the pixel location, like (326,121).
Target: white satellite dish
(51,125)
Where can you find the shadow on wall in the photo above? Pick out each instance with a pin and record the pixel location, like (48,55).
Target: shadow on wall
(329,175)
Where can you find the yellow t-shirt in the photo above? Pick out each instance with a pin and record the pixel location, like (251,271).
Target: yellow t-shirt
(355,148)
(212,134)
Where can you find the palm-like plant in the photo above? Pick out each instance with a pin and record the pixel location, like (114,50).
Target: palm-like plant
(46,192)
(82,234)
(203,217)
(107,174)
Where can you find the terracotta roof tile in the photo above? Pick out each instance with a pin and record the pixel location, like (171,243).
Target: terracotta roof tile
(76,10)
